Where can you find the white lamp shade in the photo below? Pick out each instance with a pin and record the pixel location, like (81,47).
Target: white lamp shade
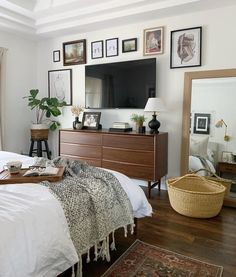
(154,104)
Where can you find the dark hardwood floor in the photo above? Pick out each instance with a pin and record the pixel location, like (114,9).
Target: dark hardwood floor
(210,240)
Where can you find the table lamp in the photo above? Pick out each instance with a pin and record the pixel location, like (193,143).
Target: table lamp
(220,124)
(154,104)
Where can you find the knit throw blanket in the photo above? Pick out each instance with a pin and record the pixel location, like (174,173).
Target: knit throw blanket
(94,203)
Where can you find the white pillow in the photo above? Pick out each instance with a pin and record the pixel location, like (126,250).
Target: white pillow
(198,146)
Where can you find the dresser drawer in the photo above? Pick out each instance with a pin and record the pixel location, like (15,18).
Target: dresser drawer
(131,170)
(128,142)
(128,156)
(227,168)
(81,138)
(94,162)
(86,151)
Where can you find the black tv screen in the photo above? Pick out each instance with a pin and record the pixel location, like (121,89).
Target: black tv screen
(126,84)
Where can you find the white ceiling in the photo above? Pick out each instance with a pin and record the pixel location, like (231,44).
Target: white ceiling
(48,18)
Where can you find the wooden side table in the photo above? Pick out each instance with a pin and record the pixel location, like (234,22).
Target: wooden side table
(226,168)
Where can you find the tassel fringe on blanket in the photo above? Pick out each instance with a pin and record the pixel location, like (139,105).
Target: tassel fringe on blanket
(95,205)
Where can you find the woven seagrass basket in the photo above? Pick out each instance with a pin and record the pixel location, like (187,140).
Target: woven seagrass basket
(195,196)
(214,177)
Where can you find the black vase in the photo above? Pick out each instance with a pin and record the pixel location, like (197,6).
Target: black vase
(77,124)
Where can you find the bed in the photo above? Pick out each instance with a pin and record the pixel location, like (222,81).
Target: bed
(35,236)
(203,154)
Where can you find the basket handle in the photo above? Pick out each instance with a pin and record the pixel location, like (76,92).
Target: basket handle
(189,175)
(209,171)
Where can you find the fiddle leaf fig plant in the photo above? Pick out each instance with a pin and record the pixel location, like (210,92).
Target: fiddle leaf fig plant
(45,107)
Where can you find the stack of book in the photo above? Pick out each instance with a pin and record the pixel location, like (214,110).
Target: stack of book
(120,127)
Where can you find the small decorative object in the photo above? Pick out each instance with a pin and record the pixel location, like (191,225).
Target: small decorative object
(185,48)
(97,49)
(129,45)
(60,85)
(111,47)
(220,124)
(91,120)
(201,123)
(153,41)
(76,111)
(154,105)
(45,107)
(139,120)
(56,56)
(74,52)
(226,157)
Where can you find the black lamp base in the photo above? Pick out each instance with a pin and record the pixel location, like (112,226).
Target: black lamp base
(154,125)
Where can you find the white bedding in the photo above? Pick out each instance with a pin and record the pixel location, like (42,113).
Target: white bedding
(196,164)
(35,239)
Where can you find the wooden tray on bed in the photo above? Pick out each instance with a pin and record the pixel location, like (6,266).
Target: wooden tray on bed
(7,178)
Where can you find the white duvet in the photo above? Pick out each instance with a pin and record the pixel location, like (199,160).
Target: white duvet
(34,236)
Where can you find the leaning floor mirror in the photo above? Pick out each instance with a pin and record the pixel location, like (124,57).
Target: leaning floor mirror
(209,126)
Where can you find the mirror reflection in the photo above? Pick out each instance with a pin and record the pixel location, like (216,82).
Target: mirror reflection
(212,134)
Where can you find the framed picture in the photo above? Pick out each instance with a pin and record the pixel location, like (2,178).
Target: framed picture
(153,41)
(74,52)
(226,157)
(56,56)
(60,85)
(97,49)
(91,120)
(129,45)
(201,123)
(112,47)
(185,47)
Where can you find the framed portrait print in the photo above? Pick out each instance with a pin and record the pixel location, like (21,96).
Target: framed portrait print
(60,85)
(91,120)
(129,45)
(97,49)
(185,47)
(74,52)
(112,47)
(201,123)
(153,41)
(56,56)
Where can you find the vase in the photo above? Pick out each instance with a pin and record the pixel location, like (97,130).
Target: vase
(77,124)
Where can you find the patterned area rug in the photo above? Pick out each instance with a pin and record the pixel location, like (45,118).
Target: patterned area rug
(143,259)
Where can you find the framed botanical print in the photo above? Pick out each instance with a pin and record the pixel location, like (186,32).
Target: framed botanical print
(112,47)
(74,52)
(153,41)
(97,49)
(60,85)
(185,47)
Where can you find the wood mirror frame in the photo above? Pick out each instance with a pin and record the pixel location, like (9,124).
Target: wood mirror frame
(188,77)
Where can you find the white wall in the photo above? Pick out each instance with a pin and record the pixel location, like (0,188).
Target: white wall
(20,77)
(218,52)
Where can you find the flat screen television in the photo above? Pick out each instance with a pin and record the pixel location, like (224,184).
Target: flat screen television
(126,84)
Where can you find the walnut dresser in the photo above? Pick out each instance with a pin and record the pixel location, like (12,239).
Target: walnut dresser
(139,156)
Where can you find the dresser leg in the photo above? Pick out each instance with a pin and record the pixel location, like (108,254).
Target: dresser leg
(149,189)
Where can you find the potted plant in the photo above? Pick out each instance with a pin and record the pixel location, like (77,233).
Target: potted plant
(45,108)
(139,120)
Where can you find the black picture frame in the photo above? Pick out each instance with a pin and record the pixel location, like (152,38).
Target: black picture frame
(56,56)
(60,85)
(129,45)
(112,47)
(202,123)
(74,52)
(97,49)
(91,120)
(186,47)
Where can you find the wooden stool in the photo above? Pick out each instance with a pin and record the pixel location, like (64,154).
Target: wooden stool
(39,151)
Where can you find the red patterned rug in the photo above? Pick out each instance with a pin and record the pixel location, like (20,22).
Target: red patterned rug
(143,259)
